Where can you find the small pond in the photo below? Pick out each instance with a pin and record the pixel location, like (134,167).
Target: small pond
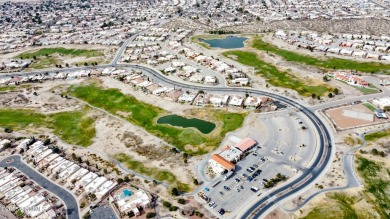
(175,120)
(230,42)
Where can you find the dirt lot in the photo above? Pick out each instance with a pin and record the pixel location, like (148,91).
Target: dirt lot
(340,118)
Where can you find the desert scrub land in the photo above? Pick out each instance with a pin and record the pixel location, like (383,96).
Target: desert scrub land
(145,115)
(276,77)
(371,202)
(339,205)
(376,179)
(153,172)
(328,63)
(72,127)
(53,57)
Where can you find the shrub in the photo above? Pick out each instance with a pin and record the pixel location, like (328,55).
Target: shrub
(167,204)
(150,215)
(173,208)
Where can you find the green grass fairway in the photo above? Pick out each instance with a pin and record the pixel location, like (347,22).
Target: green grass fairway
(145,115)
(370,106)
(377,135)
(276,77)
(71,127)
(74,127)
(45,59)
(153,172)
(328,63)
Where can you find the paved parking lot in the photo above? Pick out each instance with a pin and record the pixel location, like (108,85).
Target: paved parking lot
(104,211)
(280,150)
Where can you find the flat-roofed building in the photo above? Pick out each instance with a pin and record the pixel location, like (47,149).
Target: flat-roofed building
(61,167)
(104,188)
(68,171)
(85,180)
(45,161)
(230,153)
(32,201)
(10,185)
(55,163)
(78,174)
(133,202)
(38,210)
(7,178)
(42,155)
(91,187)
(13,192)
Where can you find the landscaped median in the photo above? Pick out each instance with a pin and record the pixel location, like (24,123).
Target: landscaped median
(72,127)
(145,115)
(155,173)
(276,77)
(327,63)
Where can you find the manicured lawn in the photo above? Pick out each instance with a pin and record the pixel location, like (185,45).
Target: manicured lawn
(370,106)
(377,135)
(145,115)
(369,90)
(328,63)
(71,127)
(153,172)
(376,184)
(276,77)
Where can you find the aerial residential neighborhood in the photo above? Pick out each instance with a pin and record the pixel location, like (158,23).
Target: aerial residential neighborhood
(194,109)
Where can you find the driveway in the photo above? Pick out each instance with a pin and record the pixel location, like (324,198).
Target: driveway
(69,200)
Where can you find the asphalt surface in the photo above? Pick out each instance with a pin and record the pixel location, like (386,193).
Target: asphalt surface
(320,128)
(72,208)
(308,177)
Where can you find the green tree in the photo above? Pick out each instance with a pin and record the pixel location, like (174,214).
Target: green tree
(175,192)
(181,201)
(119,180)
(313,95)
(150,215)
(330,95)
(167,204)
(374,151)
(336,91)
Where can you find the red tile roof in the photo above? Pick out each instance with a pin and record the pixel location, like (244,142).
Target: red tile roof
(222,161)
(245,144)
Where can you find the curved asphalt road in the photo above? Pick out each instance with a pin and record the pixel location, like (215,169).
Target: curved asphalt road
(69,200)
(301,182)
(310,175)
